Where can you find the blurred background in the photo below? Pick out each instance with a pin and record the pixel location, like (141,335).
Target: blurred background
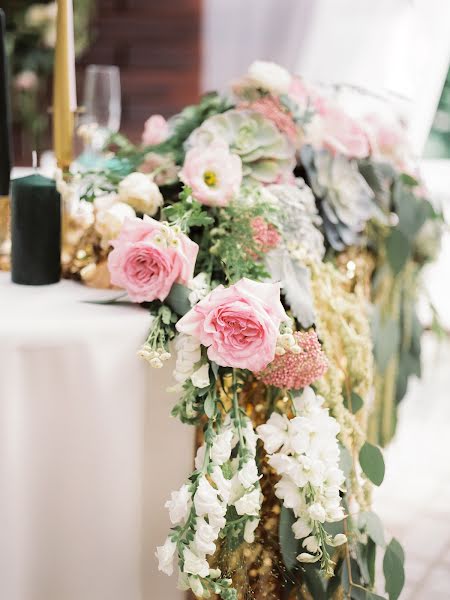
(168,53)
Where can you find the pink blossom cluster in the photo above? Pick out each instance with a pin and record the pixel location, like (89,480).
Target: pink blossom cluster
(271,108)
(265,235)
(297,370)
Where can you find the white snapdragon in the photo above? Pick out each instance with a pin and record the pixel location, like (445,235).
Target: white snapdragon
(141,193)
(200,377)
(304,451)
(178,505)
(165,555)
(199,287)
(188,353)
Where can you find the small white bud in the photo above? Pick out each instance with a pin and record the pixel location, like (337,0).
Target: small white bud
(156,363)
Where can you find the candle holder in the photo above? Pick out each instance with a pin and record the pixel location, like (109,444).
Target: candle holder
(5,233)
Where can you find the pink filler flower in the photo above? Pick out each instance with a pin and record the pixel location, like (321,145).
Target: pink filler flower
(239,325)
(213,173)
(295,371)
(265,235)
(149,257)
(156,131)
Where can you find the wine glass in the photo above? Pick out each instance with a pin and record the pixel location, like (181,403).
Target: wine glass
(102,106)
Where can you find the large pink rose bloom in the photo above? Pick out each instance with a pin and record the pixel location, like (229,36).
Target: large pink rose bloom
(334,130)
(149,257)
(213,173)
(239,325)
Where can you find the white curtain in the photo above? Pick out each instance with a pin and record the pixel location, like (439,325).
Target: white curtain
(400,47)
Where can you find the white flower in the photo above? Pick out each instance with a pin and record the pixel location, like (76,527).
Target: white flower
(206,501)
(249,530)
(308,558)
(108,221)
(249,504)
(223,484)
(188,353)
(248,475)
(270,76)
(194,564)
(301,529)
(200,457)
(274,433)
(200,288)
(308,403)
(317,512)
(178,505)
(200,377)
(196,586)
(290,493)
(311,544)
(205,536)
(338,540)
(165,555)
(288,465)
(221,447)
(141,192)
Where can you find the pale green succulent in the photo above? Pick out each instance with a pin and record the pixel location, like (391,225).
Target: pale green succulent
(267,155)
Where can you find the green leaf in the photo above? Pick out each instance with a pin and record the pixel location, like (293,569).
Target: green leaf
(398,249)
(314,582)
(412,211)
(114,300)
(373,526)
(372,463)
(210,406)
(386,339)
(345,461)
(178,299)
(288,544)
(393,569)
(353,404)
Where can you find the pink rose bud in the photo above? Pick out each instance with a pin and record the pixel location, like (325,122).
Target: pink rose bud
(156,131)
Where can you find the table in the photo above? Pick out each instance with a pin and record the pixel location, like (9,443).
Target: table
(88,451)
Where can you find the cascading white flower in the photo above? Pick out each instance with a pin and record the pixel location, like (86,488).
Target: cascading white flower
(201,508)
(304,451)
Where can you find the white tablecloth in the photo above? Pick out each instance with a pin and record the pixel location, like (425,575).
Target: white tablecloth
(88,450)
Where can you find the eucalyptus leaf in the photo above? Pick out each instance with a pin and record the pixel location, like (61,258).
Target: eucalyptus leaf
(354,403)
(386,338)
(393,569)
(290,547)
(371,523)
(178,299)
(345,461)
(210,406)
(372,463)
(398,249)
(314,582)
(296,284)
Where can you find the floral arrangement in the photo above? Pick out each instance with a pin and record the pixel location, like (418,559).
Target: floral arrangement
(31,39)
(277,243)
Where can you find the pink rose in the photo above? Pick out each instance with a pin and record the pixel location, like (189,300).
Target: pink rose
(149,257)
(334,130)
(387,139)
(239,325)
(213,173)
(156,131)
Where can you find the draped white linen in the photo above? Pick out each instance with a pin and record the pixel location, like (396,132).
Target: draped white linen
(88,451)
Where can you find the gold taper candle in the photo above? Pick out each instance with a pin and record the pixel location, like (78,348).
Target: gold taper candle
(64,91)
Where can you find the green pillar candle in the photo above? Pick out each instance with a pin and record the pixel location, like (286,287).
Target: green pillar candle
(35,231)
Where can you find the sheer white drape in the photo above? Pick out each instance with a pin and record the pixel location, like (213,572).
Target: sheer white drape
(397,46)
